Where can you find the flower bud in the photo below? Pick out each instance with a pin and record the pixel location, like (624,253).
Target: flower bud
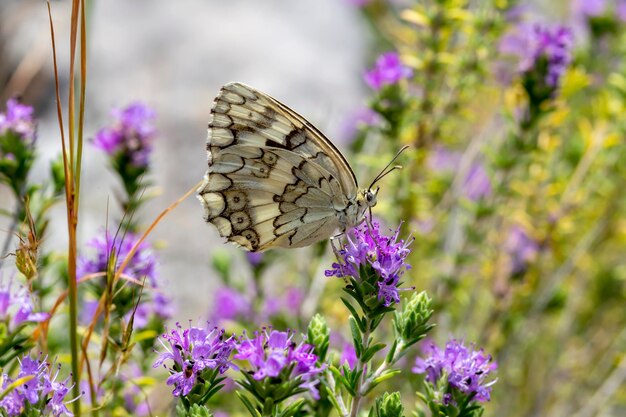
(318,335)
(389,405)
(194,411)
(411,323)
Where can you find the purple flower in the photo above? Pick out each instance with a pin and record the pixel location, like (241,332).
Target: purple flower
(588,8)
(88,311)
(18,119)
(387,70)
(620,10)
(17,307)
(163,306)
(348,356)
(294,298)
(521,248)
(288,303)
(538,48)
(385,255)
(141,266)
(30,368)
(135,400)
(42,387)
(582,10)
(271,307)
(99,392)
(477,184)
(12,403)
(356,120)
(229,304)
(466,369)
(131,134)
(271,354)
(254,258)
(193,351)
(140,315)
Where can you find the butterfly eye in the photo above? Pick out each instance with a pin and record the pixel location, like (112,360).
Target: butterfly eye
(371,198)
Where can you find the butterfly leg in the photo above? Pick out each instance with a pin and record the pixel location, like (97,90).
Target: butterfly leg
(333,239)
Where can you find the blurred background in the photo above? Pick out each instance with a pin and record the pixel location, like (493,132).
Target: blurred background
(513,186)
(174,57)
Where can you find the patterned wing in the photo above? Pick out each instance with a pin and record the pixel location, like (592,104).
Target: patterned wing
(273,179)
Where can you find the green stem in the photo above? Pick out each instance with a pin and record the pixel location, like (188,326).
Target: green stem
(340,406)
(72,295)
(361,366)
(381,369)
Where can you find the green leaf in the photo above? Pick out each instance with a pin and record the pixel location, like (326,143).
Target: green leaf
(292,408)
(360,321)
(392,351)
(333,400)
(356,337)
(246,402)
(388,374)
(371,351)
(13,385)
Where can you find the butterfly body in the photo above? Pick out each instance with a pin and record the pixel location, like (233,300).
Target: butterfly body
(274,180)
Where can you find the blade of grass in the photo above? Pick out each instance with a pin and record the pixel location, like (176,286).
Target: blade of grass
(81,107)
(151,227)
(70,188)
(73,213)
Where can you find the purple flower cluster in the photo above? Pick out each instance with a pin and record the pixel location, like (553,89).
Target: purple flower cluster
(131,134)
(230,304)
(271,352)
(521,248)
(18,118)
(40,389)
(534,44)
(386,255)
(142,265)
(387,70)
(348,356)
(20,303)
(290,303)
(465,368)
(591,8)
(135,400)
(193,351)
(360,118)
(254,258)
(596,8)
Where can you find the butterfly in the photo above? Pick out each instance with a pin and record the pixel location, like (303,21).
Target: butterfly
(274,180)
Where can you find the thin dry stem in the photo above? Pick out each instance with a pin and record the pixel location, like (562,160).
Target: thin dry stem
(130,255)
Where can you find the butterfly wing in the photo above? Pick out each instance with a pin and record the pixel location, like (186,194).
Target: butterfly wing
(273,178)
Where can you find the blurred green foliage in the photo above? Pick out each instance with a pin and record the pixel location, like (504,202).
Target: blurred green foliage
(533,269)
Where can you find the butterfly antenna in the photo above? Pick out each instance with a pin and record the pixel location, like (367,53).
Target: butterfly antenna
(388,168)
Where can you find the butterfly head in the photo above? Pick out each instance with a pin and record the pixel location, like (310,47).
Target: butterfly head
(366,200)
(369,197)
